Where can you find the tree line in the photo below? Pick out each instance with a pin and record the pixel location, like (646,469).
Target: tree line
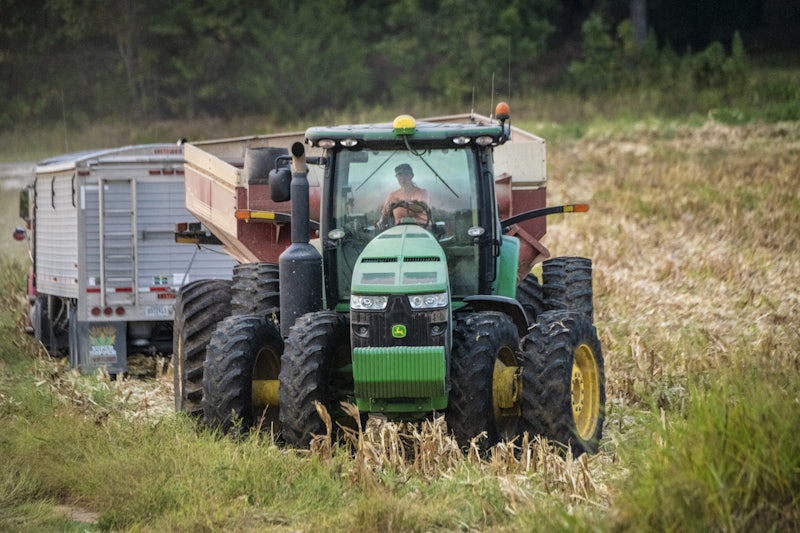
(84,60)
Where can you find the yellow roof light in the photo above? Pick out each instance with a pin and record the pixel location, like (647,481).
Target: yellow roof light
(404,125)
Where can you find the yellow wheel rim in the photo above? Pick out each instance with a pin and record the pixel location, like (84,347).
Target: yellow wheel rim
(585,391)
(506,387)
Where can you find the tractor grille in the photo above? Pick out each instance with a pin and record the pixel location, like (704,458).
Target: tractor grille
(404,372)
(422,327)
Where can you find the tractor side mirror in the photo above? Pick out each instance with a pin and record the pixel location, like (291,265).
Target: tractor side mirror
(280,180)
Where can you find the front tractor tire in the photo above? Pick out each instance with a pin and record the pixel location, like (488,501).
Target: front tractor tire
(314,367)
(564,381)
(485,396)
(200,305)
(244,349)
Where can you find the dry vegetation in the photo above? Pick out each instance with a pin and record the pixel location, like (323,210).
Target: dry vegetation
(694,233)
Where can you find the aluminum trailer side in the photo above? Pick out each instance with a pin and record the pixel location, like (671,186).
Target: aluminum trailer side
(106,268)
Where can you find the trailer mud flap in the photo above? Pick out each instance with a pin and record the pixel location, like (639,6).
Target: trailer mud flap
(100,344)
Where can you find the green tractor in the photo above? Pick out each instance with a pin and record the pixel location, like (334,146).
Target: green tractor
(416,300)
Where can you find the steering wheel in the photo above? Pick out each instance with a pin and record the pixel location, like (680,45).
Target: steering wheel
(412,207)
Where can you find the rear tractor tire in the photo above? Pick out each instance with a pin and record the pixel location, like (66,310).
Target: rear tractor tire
(564,381)
(240,377)
(200,305)
(531,297)
(567,285)
(256,290)
(316,367)
(485,395)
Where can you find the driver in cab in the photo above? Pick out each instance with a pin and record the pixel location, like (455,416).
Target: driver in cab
(409,201)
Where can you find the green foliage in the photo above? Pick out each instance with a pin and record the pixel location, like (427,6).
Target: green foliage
(614,62)
(80,61)
(732,465)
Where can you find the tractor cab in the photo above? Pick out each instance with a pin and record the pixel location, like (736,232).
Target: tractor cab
(451,198)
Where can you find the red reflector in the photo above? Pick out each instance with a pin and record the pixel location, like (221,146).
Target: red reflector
(154,172)
(83,173)
(166,296)
(169,171)
(123,289)
(93,289)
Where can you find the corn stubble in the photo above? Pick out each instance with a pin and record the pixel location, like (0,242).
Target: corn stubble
(427,451)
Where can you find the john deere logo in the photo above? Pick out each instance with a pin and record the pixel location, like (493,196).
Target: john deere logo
(398,331)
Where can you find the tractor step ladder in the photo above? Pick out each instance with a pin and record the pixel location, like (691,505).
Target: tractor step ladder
(118,242)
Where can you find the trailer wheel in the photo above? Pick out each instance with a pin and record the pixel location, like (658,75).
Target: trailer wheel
(200,305)
(485,396)
(567,285)
(530,296)
(316,367)
(256,290)
(244,350)
(564,381)
(41,322)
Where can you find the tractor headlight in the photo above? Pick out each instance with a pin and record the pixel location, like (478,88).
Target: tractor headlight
(368,303)
(428,301)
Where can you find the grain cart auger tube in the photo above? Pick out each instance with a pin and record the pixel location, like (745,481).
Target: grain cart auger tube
(415,296)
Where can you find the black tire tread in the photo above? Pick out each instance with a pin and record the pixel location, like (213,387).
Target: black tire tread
(200,305)
(256,290)
(531,297)
(548,352)
(228,370)
(305,376)
(567,285)
(477,340)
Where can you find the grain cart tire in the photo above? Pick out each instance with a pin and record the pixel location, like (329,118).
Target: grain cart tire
(563,390)
(256,290)
(318,345)
(243,348)
(40,319)
(531,297)
(485,387)
(567,285)
(200,305)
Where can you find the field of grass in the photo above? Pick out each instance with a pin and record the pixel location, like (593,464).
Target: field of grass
(694,231)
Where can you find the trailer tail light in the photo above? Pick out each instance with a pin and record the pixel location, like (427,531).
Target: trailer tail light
(96,311)
(108,311)
(154,172)
(120,311)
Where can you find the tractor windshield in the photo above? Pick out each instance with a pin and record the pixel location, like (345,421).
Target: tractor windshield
(434,188)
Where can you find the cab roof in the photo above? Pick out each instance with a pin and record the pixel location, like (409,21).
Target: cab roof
(422,131)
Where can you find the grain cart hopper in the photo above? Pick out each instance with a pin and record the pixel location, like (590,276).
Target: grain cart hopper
(431,311)
(105,267)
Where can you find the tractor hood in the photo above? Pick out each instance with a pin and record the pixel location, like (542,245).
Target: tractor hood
(405,259)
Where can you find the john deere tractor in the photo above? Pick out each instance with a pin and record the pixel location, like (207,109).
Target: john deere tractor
(410,308)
